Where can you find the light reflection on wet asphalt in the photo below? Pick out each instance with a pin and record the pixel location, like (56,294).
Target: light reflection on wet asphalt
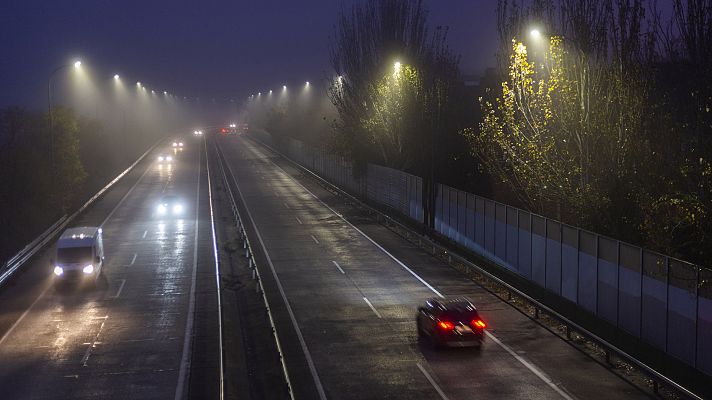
(89,343)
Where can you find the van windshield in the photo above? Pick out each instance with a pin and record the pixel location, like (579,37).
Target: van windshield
(74,255)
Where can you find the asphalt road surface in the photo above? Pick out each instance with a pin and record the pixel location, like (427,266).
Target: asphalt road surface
(130,337)
(348,290)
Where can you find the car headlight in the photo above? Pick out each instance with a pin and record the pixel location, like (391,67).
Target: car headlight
(178,208)
(160,158)
(169,158)
(58,270)
(89,269)
(161,209)
(175,144)
(180,144)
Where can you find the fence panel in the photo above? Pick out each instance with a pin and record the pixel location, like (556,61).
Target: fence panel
(588,271)
(525,244)
(500,231)
(489,227)
(452,225)
(654,300)
(539,250)
(608,279)
(629,286)
(480,222)
(569,262)
(512,237)
(553,256)
(439,208)
(682,306)
(470,221)
(462,218)
(704,322)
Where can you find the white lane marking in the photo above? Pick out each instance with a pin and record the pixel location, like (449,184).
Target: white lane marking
(358,230)
(339,267)
(432,382)
(288,306)
(133,260)
(287,205)
(299,220)
(118,292)
(372,307)
(93,343)
(111,214)
(314,239)
(188,335)
(524,362)
(24,314)
(536,371)
(144,234)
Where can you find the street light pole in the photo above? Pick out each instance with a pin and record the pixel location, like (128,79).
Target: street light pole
(76,64)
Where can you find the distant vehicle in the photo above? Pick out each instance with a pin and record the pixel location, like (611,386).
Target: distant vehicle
(245,128)
(198,133)
(163,158)
(229,130)
(178,144)
(450,322)
(80,255)
(170,205)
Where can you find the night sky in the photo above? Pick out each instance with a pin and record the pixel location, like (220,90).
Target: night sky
(207,49)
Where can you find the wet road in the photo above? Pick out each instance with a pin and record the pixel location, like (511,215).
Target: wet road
(131,336)
(348,295)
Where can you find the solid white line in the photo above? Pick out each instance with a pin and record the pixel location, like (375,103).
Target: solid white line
(372,307)
(299,220)
(432,382)
(358,230)
(144,234)
(93,343)
(288,306)
(530,366)
(133,260)
(524,362)
(339,267)
(24,314)
(118,292)
(217,274)
(188,335)
(315,240)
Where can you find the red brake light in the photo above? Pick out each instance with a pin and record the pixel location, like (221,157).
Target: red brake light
(479,323)
(448,326)
(222,130)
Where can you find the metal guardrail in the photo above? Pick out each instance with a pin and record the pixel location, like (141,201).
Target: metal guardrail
(657,377)
(18,260)
(246,245)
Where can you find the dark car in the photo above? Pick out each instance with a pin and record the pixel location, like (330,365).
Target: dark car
(451,322)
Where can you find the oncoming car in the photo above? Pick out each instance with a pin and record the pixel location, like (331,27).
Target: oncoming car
(452,322)
(177,145)
(163,158)
(198,133)
(80,255)
(170,205)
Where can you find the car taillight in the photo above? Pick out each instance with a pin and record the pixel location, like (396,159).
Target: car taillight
(478,323)
(445,325)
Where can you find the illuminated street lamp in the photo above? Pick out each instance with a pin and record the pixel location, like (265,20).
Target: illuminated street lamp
(396,66)
(77,64)
(116,77)
(535,34)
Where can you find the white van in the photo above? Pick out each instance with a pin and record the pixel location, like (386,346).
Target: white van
(80,255)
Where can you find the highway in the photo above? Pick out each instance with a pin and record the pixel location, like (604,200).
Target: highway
(133,335)
(345,290)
